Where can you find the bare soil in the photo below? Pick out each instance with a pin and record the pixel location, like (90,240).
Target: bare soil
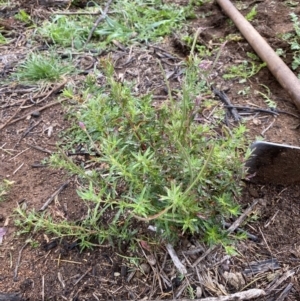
(55,269)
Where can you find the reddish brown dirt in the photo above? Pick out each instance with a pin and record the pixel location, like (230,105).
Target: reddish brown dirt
(55,269)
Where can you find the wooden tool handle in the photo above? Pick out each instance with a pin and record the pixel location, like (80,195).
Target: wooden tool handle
(279,69)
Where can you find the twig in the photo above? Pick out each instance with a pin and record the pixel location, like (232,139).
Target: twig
(14,115)
(44,150)
(285,276)
(267,128)
(285,292)
(61,280)
(53,195)
(55,89)
(18,168)
(180,267)
(31,98)
(249,235)
(23,117)
(193,251)
(245,295)
(265,241)
(76,13)
(232,228)
(102,17)
(236,224)
(14,157)
(89,269)
(30,128)
(18,262)
(154,269)
(43,288)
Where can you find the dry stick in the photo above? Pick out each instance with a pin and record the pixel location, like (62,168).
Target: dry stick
(76,13)
(53,195)
(44,95)
(14,157)
(180,267)
(232,228)
(55,89)
(14,115)
(285,276)
(102,17)
(266,242)
(285,292)
(246,295)
(39,109)
(249,235)
(88,270)
(44,150)
(236,224)
(43,288)
(30,128)
(18,262)
(18,168)
(268,127)
(157,275)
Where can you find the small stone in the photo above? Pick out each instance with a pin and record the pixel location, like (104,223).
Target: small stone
(234,279)
(151,260)
(256,121)
(36,114)
(253,192)
(117,274)
(145,268)
(198,292)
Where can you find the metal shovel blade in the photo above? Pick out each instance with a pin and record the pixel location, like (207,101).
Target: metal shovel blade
(274,163)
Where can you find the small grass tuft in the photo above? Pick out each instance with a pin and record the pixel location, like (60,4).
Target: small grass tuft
(66,31)
(39,66)
(252,14)
(4,188)
(23,17)
(244,70)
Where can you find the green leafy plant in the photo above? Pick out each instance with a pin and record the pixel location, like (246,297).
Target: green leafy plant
(291,3)
(3,40)
(4,188)
(244,70)
(153,165)
(202,50)
(66,31)
(252,14)
(280,52)
(5,2)
(131,21)
(23,17)
(140,21)
(267,97)
(38,66)
(293,39)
